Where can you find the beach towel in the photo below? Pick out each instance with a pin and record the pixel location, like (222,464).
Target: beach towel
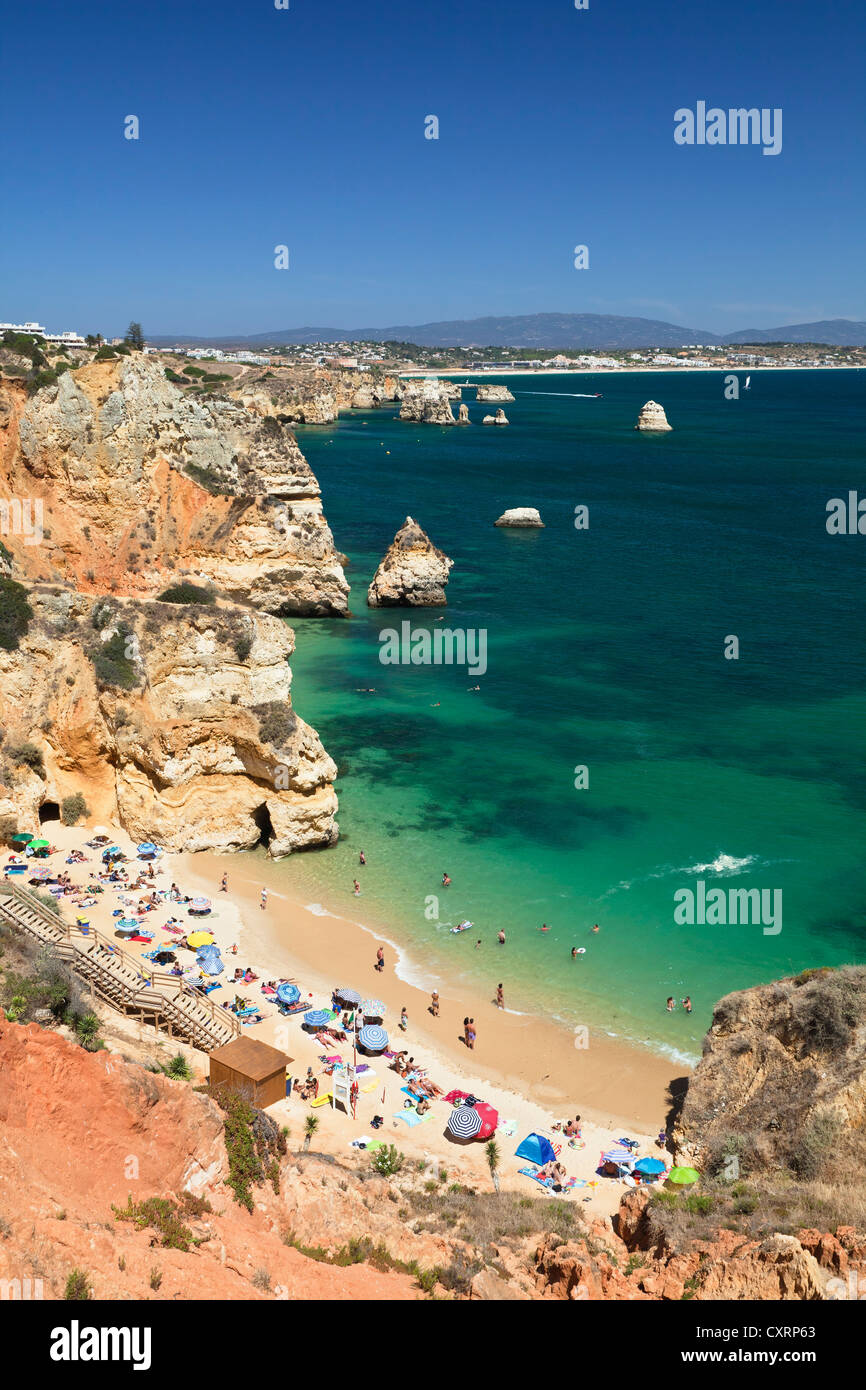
(507,1128)
(547,1182)
(365,1090)
(411,1117)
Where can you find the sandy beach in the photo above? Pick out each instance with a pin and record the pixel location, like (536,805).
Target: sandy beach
(530,1069)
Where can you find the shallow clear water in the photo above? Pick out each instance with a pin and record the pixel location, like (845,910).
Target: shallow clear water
(605,649)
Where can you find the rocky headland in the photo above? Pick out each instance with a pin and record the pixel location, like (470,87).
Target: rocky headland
(426,403)
(486,392)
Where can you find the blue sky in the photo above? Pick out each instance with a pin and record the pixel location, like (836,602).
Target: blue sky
(305,127)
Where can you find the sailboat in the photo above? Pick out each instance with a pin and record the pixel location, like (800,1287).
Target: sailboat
(746,387)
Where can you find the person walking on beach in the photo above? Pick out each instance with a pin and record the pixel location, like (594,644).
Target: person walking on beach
(224,886)
(263,901)
(500,997)
(434,1003)
(470,1035)
(380,960)
(501,937)
(466,1031)
(404,1019)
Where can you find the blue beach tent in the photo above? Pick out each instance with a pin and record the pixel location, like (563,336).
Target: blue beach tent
(536,1149)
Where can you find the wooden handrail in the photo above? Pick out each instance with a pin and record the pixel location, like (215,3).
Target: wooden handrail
(151,977)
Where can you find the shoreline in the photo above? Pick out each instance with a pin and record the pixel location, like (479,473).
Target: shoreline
(577,370)
(527,1068)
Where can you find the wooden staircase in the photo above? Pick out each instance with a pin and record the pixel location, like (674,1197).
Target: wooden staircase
(153,996)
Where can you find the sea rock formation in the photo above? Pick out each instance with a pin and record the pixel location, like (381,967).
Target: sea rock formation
(412,574)
(426,403)
(175,720)
(138,481)
(520,516)
(499,418)
(487,392)
(652,417)
(463,415)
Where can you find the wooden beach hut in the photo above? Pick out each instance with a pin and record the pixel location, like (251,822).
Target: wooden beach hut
(254,1069)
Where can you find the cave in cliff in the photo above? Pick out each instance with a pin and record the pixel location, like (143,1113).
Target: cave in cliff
(48,811)
(262,818)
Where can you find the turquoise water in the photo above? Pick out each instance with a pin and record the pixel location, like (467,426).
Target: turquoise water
(605,649)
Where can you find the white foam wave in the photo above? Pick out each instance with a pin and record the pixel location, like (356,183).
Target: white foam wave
(723,864)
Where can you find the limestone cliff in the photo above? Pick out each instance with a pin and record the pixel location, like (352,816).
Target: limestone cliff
(486,391)
(175,720)
(426,403)
(138,482)
(413,572)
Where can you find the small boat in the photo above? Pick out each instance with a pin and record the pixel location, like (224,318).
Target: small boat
(747,387)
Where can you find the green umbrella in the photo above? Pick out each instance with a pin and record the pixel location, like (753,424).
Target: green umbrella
(683,1176)
(39,844)
(23,837)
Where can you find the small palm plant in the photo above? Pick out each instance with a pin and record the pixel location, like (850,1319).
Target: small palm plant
(311,1124)
(491,1150)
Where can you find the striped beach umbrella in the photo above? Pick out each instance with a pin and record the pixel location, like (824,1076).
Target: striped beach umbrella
(199,906)
(288,994)
(348,996)
(373,1008)
(127,924)
(372,1038)
(464,1122)
(317,1018)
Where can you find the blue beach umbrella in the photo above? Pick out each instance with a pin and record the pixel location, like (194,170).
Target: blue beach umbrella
(127,924)
(464,1122)
(317,1018)
(649,1165)
(210,962)
(618,1155)
(288,994)
(147,850)
(372,1038)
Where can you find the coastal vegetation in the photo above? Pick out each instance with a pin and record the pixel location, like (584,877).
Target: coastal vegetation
(167,1217)
(15,612)
(186,593)
(73,809)
(254,1145)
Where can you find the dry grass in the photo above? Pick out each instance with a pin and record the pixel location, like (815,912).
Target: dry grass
(755,1209)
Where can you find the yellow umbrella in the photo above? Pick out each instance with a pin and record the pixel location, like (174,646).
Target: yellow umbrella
(200,938)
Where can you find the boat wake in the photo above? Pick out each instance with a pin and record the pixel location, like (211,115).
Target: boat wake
(576,395)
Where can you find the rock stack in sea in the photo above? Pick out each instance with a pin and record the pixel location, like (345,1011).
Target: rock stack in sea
(520,516)
(463,415)
(413,573)
(500,418)
(426,403)
(652,417)
(487,392)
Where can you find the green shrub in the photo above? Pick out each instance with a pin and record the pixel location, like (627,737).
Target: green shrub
(186,593)
(254,1145)
(78,1287)
(277,723)
(111,663)
(159,1214)
(388,1160)
(243,645)
(28,754)
(15,612)
(73,808)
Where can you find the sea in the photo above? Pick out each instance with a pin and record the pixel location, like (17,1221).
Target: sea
(674,694)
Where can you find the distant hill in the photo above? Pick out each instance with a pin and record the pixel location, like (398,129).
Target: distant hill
(576,331)
(836,332)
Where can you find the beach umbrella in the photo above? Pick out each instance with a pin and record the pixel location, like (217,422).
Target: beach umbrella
(199,905)
(128,924)
(373,1008)
(683,1176)
(39,875)
(348,996)
(317,1018)
(147,850)
(22,838)
(200,938)
(489,1119)
(617,1155)
(464,1122)
(649,1166)
(372,1038)
(210,964)
(536,1149)
(288,994)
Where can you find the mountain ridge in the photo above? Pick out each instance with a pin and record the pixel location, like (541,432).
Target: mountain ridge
(547,330)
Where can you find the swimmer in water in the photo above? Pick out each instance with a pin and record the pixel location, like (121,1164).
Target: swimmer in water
(670,1004)
(357,887)
(687,1004)
(595,928)
(544,927)
(362,858)
(574,953)
(445,880)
